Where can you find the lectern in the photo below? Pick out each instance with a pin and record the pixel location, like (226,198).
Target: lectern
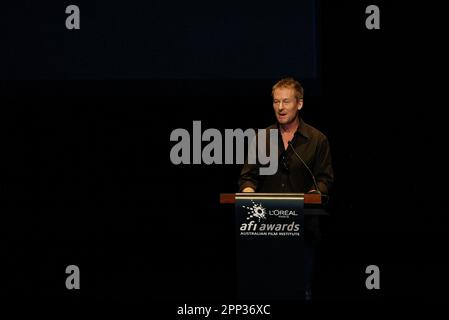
(269,230)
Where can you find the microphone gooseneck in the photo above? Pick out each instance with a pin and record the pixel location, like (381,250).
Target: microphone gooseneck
(307,167)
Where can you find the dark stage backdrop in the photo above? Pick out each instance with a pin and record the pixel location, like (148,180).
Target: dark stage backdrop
(86,119)
(161,40)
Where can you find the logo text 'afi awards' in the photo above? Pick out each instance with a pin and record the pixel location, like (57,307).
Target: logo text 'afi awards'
(257,213)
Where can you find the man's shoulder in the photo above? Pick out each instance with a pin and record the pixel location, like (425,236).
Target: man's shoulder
(310,130)
(314,132)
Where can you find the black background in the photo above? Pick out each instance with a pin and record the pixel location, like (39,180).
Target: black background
(160,40)
(87,179)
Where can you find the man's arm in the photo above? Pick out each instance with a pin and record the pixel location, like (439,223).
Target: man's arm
(322,168)
(249,178)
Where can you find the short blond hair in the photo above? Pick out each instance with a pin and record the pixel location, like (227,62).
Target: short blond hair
(289,83)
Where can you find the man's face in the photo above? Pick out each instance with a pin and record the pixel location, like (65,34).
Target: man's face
(285,105)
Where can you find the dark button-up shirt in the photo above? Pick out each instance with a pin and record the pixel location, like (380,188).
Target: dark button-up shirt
(292,176)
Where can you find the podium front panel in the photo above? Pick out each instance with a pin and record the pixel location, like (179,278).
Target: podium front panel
(270,246)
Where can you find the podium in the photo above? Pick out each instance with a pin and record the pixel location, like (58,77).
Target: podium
(269,230)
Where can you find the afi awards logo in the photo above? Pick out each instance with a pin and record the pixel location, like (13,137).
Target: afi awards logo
(256,222)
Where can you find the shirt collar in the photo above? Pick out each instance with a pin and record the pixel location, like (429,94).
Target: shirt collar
(301,130)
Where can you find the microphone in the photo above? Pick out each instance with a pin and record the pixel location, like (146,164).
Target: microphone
(307,167)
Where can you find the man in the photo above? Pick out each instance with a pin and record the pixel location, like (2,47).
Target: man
(309,143)
(305,164)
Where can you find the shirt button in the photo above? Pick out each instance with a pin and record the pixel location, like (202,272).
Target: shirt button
(283,185)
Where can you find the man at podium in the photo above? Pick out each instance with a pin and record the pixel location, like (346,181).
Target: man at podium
(304,164)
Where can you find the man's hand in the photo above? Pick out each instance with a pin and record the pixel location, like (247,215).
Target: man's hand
(248,189)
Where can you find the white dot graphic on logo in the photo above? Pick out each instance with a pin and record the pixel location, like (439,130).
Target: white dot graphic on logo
(255,211)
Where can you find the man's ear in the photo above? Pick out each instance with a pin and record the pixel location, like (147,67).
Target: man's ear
(300,104)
